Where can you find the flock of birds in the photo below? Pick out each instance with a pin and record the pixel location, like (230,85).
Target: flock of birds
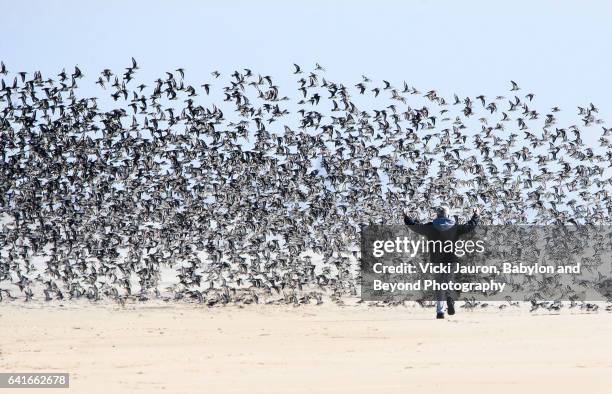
(245,193)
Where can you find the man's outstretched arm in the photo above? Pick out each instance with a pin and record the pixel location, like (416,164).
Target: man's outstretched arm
(471,224)
(409,221)
(410,218)
(415,225)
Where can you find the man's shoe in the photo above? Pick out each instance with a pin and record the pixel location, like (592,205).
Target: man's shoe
(450,306)
(440,315)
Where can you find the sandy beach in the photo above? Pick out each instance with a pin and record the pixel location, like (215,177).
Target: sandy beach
(182,348)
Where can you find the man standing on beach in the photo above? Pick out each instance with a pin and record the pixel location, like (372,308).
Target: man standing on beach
(442,228)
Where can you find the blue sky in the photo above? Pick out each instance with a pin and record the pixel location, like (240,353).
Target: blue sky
(559,49)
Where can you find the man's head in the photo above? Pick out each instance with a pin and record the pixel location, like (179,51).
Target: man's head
(442,211)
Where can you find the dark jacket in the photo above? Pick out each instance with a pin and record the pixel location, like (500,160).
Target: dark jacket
(439,230)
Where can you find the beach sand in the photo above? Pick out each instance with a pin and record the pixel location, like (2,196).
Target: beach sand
(185,348)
